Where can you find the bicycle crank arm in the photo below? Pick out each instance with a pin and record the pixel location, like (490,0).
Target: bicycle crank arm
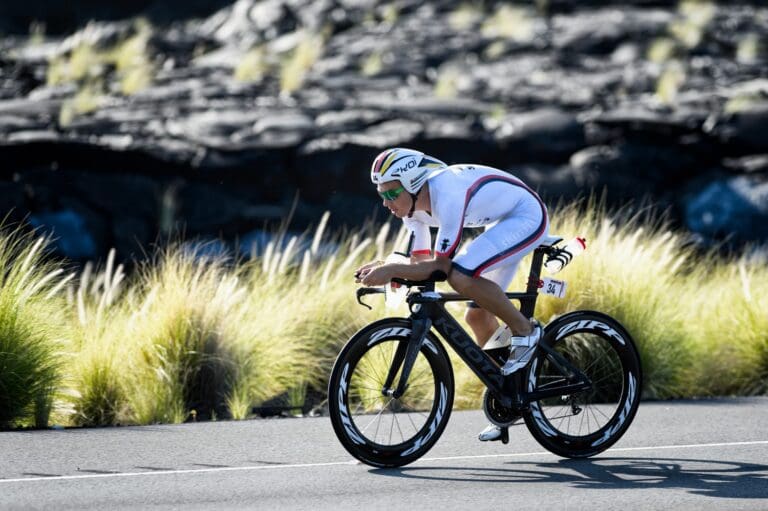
(419,329)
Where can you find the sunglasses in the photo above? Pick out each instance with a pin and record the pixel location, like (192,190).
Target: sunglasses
(392,194)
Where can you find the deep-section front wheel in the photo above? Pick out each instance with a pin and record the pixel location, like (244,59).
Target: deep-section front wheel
(584,423)
(375,427)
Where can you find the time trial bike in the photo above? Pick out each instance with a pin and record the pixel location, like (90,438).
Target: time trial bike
(391,389)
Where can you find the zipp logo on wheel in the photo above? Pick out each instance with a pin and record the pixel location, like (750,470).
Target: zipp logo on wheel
(588,324)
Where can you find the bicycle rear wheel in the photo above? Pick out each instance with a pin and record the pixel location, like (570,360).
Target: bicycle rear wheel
(379,429)
(585,423)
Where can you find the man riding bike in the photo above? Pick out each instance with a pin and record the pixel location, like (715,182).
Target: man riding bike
(425,192)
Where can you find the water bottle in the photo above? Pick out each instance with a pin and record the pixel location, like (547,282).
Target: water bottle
(395,294)
(564,255)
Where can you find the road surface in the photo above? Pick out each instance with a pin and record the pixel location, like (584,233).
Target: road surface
(710,454)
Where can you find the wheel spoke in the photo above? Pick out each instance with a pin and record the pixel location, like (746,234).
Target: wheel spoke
(601,413)
(360,374)
(591,409)
(377,416)
(612,375)
(391,426)
(412,423)
(397,423)
(375,366)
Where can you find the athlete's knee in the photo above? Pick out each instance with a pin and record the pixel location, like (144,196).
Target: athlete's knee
(460,282)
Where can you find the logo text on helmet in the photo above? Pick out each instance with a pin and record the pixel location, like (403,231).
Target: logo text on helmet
(406,166)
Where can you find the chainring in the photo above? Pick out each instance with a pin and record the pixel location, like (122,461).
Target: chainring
(497,413)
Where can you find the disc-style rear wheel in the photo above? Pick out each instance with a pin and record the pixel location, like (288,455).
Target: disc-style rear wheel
(375,427)
(585,423)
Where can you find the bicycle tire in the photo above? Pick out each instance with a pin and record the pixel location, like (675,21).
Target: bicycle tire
(355,401)
(602,349)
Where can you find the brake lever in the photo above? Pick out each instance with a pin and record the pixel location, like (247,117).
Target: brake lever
(362,291)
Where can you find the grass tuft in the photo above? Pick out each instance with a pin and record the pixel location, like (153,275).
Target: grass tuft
(509,22)
(95,373)
(670,81)
(372,64)
(30,346)
(465,16)
(88,68)
(88,99)
(299,61)
(446,85)
(253,67)
(182,359)
(662,50)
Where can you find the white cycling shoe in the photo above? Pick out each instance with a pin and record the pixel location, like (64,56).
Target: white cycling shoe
(523,348)
(490,433)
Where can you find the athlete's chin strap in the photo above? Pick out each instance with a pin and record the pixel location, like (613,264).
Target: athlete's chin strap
(414,196)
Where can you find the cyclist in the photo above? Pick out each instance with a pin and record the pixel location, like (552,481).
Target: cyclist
(425,192)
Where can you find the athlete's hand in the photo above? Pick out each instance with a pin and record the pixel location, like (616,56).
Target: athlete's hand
(377,276)
(364,270)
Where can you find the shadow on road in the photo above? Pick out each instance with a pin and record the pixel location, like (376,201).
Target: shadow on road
(711,478)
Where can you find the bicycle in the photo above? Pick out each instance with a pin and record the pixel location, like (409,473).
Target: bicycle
(391,389)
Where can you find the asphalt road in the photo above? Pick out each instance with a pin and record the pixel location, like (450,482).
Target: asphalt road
(677,455)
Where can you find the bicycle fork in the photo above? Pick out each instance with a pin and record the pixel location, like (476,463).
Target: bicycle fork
(405,356)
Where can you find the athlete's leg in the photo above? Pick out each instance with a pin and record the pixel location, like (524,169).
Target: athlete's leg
(482,323)
(506,243)
(489,296)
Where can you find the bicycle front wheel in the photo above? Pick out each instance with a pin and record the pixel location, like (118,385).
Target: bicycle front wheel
(582,424)
(377,428)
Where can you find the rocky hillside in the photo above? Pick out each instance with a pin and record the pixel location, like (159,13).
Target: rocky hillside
(123,131)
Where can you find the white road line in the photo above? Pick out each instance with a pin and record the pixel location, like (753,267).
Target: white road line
(167,472)
(354,462)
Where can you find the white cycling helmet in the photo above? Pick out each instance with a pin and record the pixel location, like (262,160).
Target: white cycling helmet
(411,168)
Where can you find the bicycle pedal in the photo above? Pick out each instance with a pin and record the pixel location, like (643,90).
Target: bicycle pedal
(504,436)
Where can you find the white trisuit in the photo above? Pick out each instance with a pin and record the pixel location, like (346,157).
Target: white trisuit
(514,217)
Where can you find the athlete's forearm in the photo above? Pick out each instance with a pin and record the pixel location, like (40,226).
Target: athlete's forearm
(417,258)
(420,270)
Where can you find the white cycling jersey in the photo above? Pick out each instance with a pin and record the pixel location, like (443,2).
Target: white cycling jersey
(514,217)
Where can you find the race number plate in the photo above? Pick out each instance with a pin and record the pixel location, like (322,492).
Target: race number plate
(552,287)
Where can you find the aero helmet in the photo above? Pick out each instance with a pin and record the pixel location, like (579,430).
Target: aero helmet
(411,168)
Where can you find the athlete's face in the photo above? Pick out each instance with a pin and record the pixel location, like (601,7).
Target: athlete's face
(401,204)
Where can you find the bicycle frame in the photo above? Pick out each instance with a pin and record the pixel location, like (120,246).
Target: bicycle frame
(428,310)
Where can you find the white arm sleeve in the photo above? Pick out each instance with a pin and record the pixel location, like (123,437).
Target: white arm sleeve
(451,224)
(420,236)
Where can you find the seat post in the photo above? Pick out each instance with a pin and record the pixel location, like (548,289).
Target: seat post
(528,306)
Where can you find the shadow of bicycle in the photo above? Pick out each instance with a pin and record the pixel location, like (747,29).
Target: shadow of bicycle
(711,478)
